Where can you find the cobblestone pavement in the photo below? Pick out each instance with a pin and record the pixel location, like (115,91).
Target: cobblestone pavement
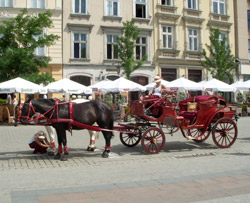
(184,171)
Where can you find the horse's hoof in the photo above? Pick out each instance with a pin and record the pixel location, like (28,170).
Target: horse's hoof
(91,149)
(57,156)
(64,157)
(105,154)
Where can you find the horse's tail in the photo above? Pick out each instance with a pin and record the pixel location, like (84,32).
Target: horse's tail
(111,123)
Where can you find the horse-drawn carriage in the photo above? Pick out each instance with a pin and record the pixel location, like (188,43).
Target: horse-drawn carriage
(195,117)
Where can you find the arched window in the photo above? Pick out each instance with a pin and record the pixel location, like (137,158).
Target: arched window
(140,80)
(84,80)
(112,77)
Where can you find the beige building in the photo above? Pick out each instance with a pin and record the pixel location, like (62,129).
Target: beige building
(182,31)
(10,8)
(90,30)
(242,37)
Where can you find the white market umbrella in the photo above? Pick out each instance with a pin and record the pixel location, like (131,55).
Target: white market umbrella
(151,86)
(237,85)
(97,86)
(122,85)
(215,85)
(183,84)
(19,85)
(68,86)
(245,86)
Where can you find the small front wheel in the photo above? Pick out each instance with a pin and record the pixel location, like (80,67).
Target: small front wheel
(130,139)
(153,140)
(224,132)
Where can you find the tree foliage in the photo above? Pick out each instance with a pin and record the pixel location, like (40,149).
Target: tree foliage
(220,60)
(126,46)
(19,38)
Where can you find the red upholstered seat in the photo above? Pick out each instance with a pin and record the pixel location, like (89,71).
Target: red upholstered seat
(189,115)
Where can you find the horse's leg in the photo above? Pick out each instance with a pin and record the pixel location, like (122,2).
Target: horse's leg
(92,135)
(61,136)
(107,136)
(66,150)
(59,139)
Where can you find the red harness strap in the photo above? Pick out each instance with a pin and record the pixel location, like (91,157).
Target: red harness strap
(71,117)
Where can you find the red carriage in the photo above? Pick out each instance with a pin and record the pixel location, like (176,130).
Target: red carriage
(195,117)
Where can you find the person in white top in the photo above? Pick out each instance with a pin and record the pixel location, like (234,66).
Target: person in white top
(159,88)
(39,143)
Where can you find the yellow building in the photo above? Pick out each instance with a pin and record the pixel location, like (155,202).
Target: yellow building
(10,8)
(242,38)
(182,31)
(90,29)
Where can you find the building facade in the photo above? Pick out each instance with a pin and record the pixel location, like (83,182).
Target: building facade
(10,8)
(182,31)
(242,38)
(90,30)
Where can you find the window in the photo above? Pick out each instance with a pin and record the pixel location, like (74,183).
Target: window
(37,3)
(167,32)
(194,75)
(80,6)
(80,45)
(219,6)
(141,47)
(39,51)
(248,19)
(167,2)
(169,74)
(112,47)
(223,35)
(140,8)
(6,3)
(84,80)
(113,7)
(142,80)
(193,39)
(192,4)
(249,49)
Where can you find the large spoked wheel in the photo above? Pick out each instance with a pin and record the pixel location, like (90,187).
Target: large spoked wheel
(224,132)
(130,139)
(196,132)
(153,140)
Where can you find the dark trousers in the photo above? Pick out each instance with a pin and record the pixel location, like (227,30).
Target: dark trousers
(37,148)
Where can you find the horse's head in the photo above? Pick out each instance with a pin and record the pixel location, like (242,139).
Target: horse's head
(27,111)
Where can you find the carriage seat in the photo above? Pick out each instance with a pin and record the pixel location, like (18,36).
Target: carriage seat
(189,115)
(189,111)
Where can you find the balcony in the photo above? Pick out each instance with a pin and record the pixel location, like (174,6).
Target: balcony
(192,16)
(166,53)
(220,20)
(168,12)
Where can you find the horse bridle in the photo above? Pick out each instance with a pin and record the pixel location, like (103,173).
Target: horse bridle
(27,117)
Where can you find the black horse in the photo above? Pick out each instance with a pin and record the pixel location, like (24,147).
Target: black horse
(87,113)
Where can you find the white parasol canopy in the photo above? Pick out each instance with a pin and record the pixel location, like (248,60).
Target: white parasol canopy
(215,85)
(69,86)
(97,86)
(151,86)
(19,85)
(122,85)
(238,85)
(183,84)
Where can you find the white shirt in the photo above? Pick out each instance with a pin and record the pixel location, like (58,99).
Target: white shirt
(157,91)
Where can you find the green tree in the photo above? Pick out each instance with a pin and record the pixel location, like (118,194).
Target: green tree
(125,48)
(220,60)
(19,38)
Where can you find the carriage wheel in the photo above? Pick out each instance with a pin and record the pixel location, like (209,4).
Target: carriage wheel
(153,140)
(196,132)
(130,139)
(225,132)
